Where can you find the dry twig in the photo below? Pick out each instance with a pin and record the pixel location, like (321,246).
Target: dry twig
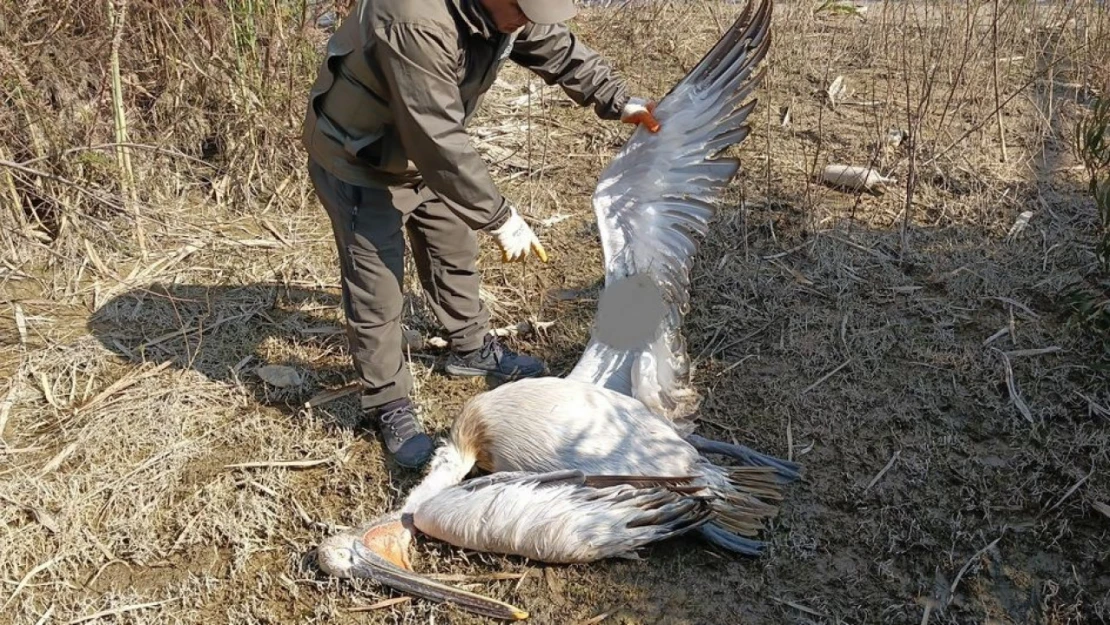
(120,610)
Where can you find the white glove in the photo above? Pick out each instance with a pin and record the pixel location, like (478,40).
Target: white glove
(516,239)
(640,111)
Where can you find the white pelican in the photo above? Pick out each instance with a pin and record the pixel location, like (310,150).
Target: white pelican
(567,516)
(604,461)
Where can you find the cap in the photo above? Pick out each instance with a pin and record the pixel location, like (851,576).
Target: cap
(548,11)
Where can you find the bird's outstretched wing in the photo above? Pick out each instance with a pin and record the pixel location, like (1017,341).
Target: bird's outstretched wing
(561,516)
(653,204)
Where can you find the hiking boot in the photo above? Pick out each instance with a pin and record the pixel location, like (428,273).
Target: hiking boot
(494,359)
(403,435)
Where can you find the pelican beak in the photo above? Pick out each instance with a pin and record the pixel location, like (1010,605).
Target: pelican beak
(379,551)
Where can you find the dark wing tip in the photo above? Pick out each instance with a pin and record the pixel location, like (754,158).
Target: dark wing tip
(754,28)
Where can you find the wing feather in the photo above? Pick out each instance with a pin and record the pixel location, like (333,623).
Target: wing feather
(562,516)
(655,201)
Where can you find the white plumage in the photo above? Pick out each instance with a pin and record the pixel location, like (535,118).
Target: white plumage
(655,201)
(558,517)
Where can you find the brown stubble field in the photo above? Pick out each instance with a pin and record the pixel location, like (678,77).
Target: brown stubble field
(911,347)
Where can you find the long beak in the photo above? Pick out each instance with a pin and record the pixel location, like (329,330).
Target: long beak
(379,552)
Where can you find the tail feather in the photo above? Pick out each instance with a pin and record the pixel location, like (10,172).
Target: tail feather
(756,481)
(750,530)
(748,514)
(750,506)
(741,498)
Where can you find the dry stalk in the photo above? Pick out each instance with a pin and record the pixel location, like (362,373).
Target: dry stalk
(1011,387)
(384,603)
(120,610)
(1071,491)
(20,324)
(331,395)
(825,377)
(58,459)
(281,464)
(76,186)
(45,618)
(970,561)
(15,202)
(117,14)
(8,403)
(125,148)
(340,456)
(455,578)
(799,607)
(994,75)
(33,572)
(596,619)
(1038,351)
(128,380)
(1102,508)
(881,473)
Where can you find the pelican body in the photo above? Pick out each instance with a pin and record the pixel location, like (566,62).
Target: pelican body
(604,461)
(548,424)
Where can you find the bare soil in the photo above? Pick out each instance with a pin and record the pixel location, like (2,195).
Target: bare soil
(952,417)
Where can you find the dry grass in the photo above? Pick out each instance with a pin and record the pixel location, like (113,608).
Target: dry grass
(907,346)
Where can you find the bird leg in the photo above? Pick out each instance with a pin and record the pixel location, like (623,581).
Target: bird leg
(729,541)
(786,470)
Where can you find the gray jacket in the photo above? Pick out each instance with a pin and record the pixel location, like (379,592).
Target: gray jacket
(401,79)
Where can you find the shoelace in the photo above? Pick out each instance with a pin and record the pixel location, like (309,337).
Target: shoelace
(494,347)
(400,422)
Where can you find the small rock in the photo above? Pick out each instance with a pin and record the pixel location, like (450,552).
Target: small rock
(279,376)
(411,339)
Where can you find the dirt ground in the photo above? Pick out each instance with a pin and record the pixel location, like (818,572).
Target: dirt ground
(952,419)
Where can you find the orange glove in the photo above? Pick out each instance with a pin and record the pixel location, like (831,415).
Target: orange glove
(639,111)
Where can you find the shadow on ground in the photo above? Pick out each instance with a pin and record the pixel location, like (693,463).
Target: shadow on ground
(228,332)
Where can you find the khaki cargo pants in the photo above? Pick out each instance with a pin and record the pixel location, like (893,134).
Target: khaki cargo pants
(367,223)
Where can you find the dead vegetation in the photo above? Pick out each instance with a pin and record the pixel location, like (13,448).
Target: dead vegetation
(161,243)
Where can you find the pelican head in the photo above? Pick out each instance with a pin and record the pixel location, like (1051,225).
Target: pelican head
(383,542)
(380,551)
